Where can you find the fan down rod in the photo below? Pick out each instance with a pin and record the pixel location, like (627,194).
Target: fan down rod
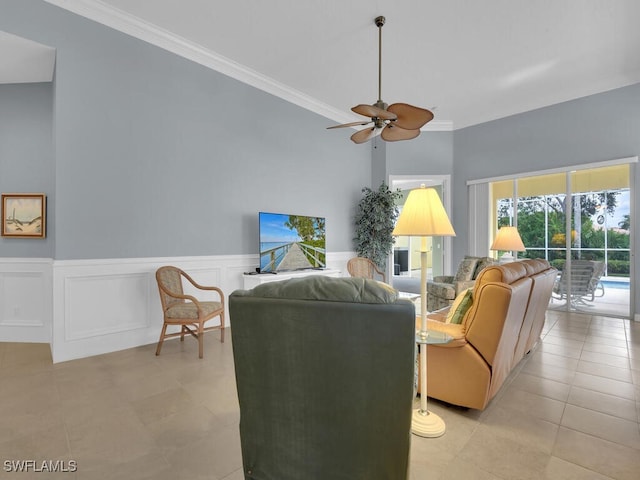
(379,21)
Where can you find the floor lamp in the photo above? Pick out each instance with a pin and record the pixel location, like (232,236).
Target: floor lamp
(424,215)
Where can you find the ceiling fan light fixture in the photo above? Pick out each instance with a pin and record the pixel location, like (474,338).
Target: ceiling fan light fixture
(399,121)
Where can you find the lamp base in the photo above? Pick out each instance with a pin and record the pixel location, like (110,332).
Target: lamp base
(427,424)
(507,258)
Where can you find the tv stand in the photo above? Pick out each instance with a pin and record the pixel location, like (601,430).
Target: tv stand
(253,280)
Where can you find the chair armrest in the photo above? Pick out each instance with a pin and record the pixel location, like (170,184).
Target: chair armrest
(204,287)
(380,273)
(463,285)
(443,279)
(190,298)
(172,294)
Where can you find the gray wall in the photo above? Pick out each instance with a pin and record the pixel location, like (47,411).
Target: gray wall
(159,156)
(431,153)
(591,129)
(26,157)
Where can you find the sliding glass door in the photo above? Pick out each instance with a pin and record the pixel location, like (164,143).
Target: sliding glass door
(580,222)
(600,240)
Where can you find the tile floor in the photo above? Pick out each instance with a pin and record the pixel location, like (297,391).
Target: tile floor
(570,410)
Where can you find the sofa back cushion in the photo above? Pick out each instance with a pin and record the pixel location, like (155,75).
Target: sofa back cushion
(507,273)
(543,276)
(500,294)
(535,265)
(328,289)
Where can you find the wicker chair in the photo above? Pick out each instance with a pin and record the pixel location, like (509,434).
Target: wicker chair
(364,268)
(185,310)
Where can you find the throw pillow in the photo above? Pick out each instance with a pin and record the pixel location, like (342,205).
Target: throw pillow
(459,307)
(466,268)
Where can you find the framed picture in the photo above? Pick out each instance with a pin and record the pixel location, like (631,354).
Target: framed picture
(24,215)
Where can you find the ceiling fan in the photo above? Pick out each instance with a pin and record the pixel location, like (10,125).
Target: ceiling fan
(399,121)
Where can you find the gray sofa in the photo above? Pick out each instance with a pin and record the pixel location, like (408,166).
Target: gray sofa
(325,377)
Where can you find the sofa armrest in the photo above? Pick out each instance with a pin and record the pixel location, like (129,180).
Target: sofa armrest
(453,329)
(439,315)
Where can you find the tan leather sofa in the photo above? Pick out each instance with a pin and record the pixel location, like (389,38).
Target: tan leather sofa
(503,323)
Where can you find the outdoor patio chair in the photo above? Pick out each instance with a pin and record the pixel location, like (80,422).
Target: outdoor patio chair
(585,281)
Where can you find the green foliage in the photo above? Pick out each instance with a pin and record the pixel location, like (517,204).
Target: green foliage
(625,224)
(531,229)
(618,239)
(312,232)
(375,220)
(308,228)
(588,242)
(620,268)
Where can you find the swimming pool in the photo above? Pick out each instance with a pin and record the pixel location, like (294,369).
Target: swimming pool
(622,284)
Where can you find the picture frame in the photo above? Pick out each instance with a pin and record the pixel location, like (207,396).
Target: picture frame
(24,215)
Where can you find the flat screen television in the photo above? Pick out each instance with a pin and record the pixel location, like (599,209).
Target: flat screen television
(291,242)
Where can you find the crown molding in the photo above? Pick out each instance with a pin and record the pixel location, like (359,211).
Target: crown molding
(124,22)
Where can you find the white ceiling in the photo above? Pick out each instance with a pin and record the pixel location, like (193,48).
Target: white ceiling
(470,60)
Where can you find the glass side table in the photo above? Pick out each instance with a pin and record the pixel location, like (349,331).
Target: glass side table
(413,298)
(423,422)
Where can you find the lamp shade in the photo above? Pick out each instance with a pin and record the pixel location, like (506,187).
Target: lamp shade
(508,239)
(423,215)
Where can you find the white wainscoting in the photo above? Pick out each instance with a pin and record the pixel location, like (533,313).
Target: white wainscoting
(89,307)
(102,306)
(25,300)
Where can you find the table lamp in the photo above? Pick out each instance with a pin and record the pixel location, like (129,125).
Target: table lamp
(508,240)
(424,215)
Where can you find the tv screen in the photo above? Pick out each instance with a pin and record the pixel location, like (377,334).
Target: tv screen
(291,242)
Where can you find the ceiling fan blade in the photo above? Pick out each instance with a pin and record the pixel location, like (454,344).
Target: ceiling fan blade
(364,135)
(410,117)
(373,112)
(391,133)
(352,124)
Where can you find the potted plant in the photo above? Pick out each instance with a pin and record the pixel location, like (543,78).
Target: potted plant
(375,220)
